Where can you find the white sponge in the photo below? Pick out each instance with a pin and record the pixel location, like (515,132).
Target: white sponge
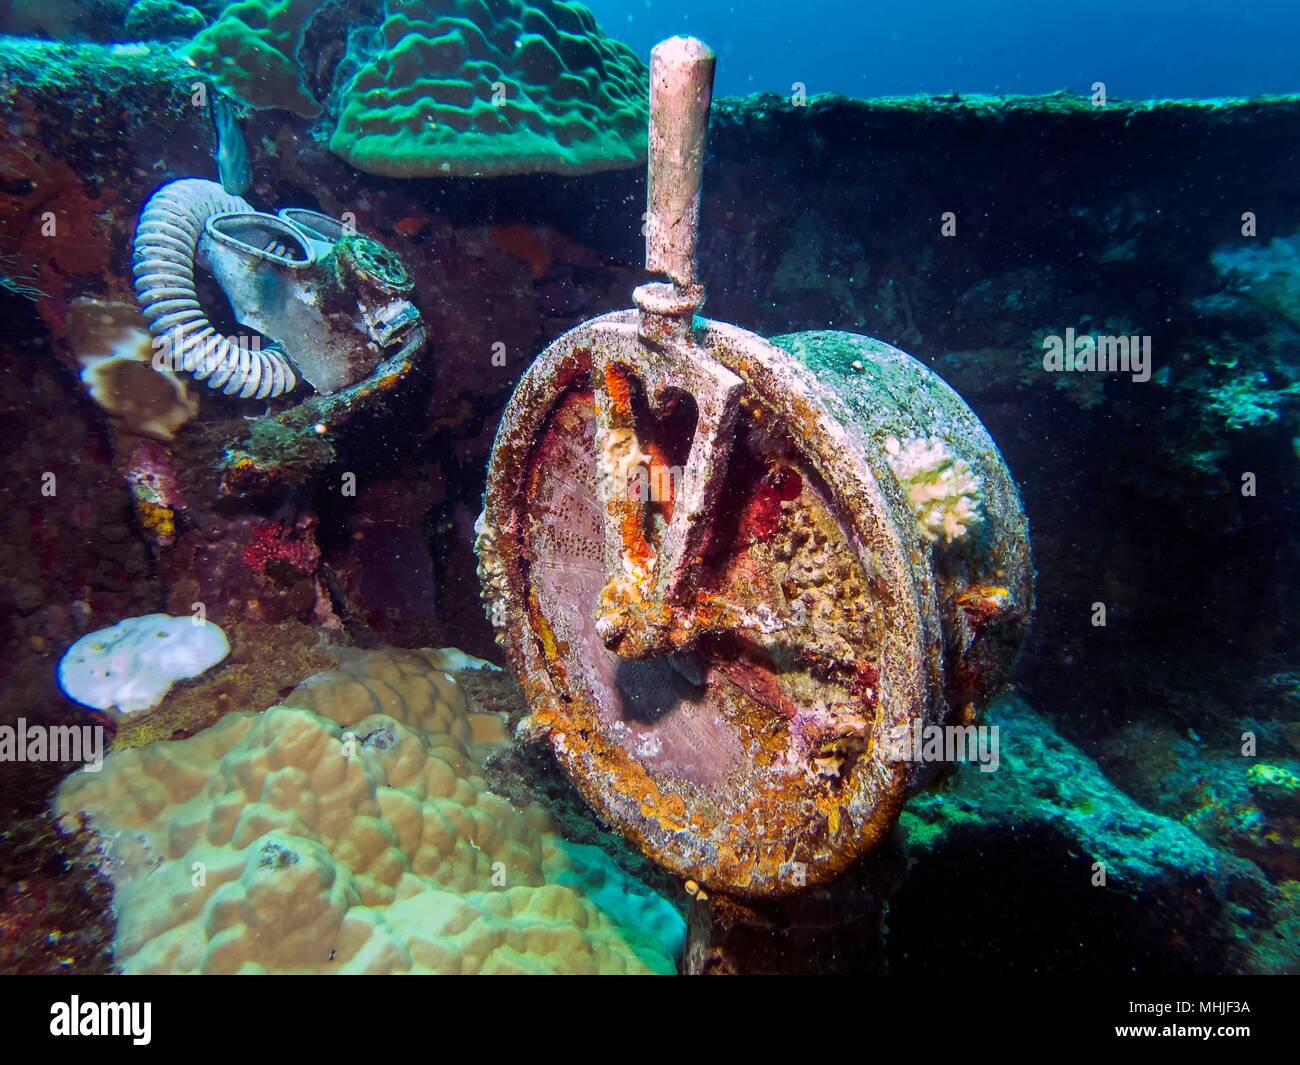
(133,664)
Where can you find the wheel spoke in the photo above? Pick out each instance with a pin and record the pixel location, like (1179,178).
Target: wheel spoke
(649,587)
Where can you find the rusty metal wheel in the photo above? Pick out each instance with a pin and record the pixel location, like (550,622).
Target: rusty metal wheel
(719,595)
(734,575)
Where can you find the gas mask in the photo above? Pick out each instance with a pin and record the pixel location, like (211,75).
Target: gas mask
(320,300)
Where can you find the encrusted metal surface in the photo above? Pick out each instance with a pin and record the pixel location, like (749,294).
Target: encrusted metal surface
(332,301)
(740,743)
(729,571)
(681,89)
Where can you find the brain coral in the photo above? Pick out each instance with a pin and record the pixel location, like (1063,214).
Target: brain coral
(467,88)
(347,831)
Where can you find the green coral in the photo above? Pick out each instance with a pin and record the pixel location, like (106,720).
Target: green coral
(447,87)
(163,19)
(470,89)
(287,450)
(1268,275)
(595,875)
(252,53)
(1274,783)
(1247,402)
(1048,796)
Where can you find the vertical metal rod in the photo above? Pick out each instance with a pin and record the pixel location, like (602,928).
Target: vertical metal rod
(681,90)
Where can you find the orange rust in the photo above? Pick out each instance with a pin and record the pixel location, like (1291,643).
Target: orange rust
(550,647)
(36,187)
(983,603)
(632,530)
(672,812)
(618,387)
(661,488)
(621,774)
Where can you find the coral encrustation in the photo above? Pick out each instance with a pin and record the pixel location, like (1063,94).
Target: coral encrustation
(944,492)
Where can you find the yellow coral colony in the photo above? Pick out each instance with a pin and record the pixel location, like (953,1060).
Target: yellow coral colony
(346,831)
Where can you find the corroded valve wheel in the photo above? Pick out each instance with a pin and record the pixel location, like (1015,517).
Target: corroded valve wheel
(734,574)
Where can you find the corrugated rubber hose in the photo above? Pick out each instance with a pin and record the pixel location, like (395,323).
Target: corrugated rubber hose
(166,241)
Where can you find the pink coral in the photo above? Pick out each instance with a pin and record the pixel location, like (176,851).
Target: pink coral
(281,551)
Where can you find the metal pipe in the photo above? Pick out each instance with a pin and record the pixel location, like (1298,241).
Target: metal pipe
(681,90)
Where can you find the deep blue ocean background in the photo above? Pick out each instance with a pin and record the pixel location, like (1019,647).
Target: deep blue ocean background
(1138,48)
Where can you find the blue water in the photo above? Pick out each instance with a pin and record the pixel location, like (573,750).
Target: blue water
(1138,48)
